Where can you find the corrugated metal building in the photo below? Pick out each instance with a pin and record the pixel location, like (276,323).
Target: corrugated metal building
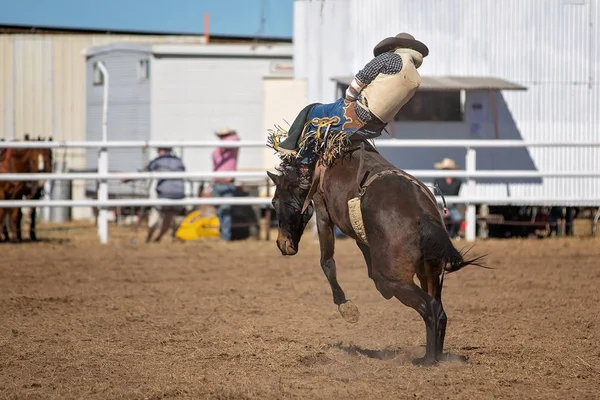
(181,92)
(549,47)
(42,87)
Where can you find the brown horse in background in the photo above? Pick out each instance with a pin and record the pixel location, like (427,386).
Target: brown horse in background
(402,232)
(22,160)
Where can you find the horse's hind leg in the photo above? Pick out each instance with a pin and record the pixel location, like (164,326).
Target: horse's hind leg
(432,313)
(32,224)
(327,243)
(432,283)
(4,231)
(382,288)
(395,273)
(19,222)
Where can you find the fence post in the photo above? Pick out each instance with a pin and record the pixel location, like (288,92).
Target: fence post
(103,163)
(471,215)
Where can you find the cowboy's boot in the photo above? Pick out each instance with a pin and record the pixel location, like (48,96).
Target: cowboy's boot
(295,131)
(306,167)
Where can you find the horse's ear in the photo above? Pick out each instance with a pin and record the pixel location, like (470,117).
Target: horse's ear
(274,177)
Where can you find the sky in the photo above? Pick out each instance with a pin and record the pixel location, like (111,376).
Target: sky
(227,17)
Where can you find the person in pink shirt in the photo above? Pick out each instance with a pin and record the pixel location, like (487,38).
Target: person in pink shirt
(225,160)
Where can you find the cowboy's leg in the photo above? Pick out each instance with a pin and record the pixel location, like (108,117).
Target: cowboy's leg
(307,154)
(328,110)
(141,217)
(153,222)
(223,210)
(167,218)
(456,219)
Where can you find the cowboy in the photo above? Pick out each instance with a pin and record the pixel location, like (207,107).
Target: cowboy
(373,98)
(450,187)
(162,216)
(225,160)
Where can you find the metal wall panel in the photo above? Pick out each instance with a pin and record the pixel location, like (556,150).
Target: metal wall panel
(550,46)
(6,87)
(45,94)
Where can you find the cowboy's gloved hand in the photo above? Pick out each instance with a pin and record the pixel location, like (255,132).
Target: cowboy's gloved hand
(349,95)
(354,89)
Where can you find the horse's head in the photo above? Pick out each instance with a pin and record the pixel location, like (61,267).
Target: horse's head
(42,157)
(290,192)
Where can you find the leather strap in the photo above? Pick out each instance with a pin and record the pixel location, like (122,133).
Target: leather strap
(317,183)
(400,173)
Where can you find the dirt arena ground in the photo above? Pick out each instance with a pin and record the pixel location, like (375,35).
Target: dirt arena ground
(239,321)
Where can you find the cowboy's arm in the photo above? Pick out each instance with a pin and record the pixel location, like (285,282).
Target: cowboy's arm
(145,169)
(387,63)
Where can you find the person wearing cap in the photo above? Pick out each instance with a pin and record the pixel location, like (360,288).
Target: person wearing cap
(165,189)
(375,95)
(450,187)
(225,160)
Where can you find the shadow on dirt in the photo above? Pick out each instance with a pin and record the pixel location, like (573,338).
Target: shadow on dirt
(396,355)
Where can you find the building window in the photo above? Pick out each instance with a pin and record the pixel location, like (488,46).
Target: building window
(143,70)
(443,106)
(98,77)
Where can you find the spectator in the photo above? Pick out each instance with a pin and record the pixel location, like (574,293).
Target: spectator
(225,160)
(450,187)
(165,189)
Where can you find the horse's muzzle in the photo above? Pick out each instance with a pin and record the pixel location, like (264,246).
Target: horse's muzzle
(285,246)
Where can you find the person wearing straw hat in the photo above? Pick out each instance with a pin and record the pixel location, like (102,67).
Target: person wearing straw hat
(225,160)
(450,187)
(373,98)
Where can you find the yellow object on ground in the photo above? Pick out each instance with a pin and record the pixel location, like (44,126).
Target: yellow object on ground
(196,226)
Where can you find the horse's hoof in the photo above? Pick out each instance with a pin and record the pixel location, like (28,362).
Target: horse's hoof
(349,311)
(425,362)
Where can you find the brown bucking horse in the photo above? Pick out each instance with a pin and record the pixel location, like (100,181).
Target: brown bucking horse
(22,160)
(400,232)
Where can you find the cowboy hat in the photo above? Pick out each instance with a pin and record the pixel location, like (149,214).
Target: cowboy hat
(400,40)
(446,163)
(224,130)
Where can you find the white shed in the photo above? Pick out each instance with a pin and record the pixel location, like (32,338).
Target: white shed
(181,92)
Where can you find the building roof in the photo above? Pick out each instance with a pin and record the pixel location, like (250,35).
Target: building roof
(456,83)
(282,50)
(58,30)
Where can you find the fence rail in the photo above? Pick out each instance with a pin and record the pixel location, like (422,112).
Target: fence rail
(261,144)
(470,173)
(253,175)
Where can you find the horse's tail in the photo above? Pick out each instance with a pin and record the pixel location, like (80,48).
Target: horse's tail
(436,245)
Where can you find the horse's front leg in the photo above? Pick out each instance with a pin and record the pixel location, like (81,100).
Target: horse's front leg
(13,214)
(325,229)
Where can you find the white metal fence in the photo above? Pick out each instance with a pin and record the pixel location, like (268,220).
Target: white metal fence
(468,198)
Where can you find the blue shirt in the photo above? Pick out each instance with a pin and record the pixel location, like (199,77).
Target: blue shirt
(169,188)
